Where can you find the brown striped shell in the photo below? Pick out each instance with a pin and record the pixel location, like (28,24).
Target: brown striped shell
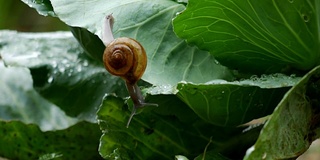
(125,57)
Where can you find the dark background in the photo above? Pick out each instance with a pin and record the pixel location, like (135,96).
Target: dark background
(16,15)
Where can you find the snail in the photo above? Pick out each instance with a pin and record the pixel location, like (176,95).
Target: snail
(126,58)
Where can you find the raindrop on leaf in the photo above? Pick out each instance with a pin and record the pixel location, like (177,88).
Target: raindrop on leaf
(79,68)
(305,17)
(62,69)
(50,79)
(85,63)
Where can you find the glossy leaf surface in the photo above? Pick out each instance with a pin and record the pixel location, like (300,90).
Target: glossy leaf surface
(62,73)
(170,59)
(153,134)
(294,123)
(20,101)
(234,103)
(254,36)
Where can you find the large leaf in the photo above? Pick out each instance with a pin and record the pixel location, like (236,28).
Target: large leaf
(21,141)
(257,36)
(233,103)
(19,101)
(293,125)
(155,135)
(170,59)
(62,73)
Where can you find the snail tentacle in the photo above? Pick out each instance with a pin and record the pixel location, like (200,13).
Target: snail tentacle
(107,36)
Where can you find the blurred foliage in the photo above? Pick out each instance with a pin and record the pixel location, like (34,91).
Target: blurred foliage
(15,15)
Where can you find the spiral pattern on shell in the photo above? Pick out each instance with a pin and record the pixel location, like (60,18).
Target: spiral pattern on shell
(125,57)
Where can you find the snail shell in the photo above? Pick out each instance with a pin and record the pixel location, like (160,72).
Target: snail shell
(125,57)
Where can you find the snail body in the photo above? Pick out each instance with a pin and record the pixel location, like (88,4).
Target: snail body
(125,57)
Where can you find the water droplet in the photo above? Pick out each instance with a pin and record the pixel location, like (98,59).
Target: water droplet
(161,89)
(222,92)
(292,76)
(37,1)
(263,77)
(217,81)
(62,69)
(264,156)
(254,78)
(216,62)
(79,68)
(305,17)
(70,72)
(250,150)
(183,82)
(85,63)
(54,64)
(50,79)
(64,61)
(291,1)
(178,13)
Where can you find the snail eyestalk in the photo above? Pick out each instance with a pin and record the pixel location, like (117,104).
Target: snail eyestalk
(126,58)
(107,35)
